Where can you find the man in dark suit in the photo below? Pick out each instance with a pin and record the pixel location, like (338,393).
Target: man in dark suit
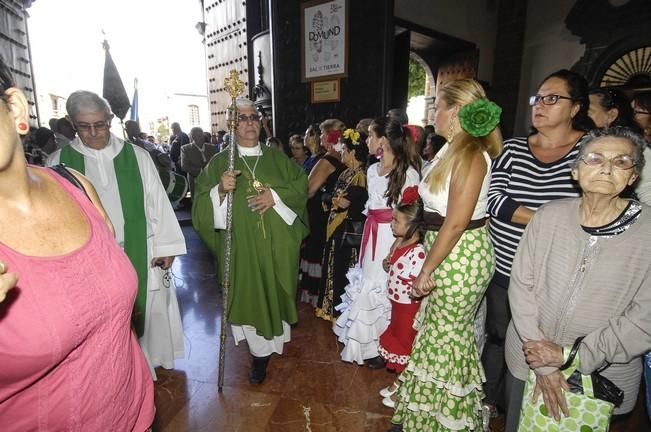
(195,156)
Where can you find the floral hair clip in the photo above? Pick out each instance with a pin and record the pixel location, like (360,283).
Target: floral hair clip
(410,196)
(413,131)
(352,135)
(479,118)
(333,136)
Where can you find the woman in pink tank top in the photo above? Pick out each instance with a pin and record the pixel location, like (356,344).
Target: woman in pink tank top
(68,357)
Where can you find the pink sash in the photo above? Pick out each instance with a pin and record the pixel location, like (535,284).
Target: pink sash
(374,218)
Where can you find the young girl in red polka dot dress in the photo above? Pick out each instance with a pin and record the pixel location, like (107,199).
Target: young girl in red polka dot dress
(403,264)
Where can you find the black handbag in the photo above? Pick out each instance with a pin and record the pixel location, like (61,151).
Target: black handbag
(603,388)
(353,232)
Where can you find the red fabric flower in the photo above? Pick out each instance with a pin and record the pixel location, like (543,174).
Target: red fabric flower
(333,136)
(410,195)
(413,131)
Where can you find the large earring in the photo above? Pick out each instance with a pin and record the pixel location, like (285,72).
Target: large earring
(450,136)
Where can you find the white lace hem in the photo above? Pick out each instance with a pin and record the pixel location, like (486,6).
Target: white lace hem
(450,423)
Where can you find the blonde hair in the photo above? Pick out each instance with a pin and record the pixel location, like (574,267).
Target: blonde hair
(332,124)
(461,151)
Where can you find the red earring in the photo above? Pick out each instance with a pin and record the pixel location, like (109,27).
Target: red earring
(22,126)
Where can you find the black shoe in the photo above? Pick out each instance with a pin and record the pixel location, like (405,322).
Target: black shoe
(395,428)
(258,371)
(375,363)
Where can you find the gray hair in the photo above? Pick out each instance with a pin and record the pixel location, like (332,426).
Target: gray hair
(244,102)
(83,101)
(636,140)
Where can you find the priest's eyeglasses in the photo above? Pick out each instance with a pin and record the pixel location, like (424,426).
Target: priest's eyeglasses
(251,117)
(622,162)
(549,99)
(97,126)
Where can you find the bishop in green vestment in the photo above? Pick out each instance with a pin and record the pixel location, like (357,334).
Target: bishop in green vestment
(269,224)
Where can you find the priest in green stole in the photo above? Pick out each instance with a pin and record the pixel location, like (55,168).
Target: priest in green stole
(269,224)
(129,186)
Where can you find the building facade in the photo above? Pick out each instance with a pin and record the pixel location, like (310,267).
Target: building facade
(15,50)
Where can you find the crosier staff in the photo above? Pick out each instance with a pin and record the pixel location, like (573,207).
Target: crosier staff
(235,87)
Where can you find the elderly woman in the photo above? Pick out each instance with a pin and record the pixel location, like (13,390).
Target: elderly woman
(582,269)
(531,171)
(70,360)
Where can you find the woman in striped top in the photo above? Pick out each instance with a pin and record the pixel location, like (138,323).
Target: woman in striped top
(530,172)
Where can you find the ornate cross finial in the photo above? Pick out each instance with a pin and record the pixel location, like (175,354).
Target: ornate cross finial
(233,84)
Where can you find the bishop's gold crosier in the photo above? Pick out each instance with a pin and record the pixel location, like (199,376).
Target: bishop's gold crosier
(234,86)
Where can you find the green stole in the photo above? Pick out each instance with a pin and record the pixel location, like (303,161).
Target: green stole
(132,199)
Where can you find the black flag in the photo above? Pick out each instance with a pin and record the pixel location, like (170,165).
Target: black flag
(114,91)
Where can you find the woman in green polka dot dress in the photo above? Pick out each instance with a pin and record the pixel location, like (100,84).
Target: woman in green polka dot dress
(441,388)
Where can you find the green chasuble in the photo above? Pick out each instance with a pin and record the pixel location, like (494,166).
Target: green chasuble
(265,255)
(132,199)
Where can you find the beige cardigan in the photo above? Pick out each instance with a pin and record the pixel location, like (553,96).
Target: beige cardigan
(566,283)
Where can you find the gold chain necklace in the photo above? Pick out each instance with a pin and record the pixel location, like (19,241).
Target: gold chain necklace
(257,185)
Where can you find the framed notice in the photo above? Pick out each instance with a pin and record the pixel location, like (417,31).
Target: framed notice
(324,39)
(325,91)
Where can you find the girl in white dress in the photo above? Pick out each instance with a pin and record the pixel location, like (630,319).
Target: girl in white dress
(365,307)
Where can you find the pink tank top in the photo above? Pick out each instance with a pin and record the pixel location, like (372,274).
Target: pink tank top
(68,358)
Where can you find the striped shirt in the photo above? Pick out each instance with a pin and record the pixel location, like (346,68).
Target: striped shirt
(519,179)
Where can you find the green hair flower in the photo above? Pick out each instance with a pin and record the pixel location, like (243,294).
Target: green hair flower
(480,117)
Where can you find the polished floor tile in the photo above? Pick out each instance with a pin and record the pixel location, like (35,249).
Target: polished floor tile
(308,389)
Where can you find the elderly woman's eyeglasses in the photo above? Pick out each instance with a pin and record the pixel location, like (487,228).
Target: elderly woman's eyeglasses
(98,126)
(251,117)
(622,162)
(549,99)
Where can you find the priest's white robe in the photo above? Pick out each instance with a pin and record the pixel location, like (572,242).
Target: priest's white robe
(162,340)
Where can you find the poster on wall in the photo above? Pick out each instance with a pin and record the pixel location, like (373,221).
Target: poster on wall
(324,39)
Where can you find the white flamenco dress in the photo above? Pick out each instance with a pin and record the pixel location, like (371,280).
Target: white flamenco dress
(365,306)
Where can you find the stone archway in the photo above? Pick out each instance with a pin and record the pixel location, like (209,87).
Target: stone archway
(429,91)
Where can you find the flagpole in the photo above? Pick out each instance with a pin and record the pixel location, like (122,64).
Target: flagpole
(234,86)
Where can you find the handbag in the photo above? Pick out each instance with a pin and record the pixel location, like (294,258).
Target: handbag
(603,388)
(352,236)
(587,409)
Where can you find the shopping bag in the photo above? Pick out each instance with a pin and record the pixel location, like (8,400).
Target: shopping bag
(587,413)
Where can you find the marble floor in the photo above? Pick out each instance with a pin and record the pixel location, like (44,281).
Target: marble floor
(308,389)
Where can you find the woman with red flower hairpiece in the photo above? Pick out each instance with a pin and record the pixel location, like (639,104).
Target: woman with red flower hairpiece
(441,388)
(321,183)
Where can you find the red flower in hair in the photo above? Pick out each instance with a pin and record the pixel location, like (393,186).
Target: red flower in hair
(333,136)
(413,131)
(410,195)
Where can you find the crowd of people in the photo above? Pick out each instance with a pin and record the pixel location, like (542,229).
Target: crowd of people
(463,263)
(425,250)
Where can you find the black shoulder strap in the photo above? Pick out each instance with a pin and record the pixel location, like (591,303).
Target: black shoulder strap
(573,351)
(63,172)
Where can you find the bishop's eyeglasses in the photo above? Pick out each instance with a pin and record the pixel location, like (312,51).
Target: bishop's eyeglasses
(251,117)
